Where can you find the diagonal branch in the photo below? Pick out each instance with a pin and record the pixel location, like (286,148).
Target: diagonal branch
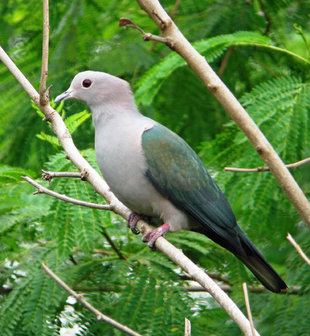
(111,242)
(99,316)
(100,186)
(229,102)
(298,248)
(43,190)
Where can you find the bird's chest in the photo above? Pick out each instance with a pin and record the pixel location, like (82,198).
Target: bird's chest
(122,164)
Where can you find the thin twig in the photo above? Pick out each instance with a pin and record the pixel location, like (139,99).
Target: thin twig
(175,9)
(211,275)
(264,169)
(124,22)
(248,308)
(298,248)
(48,175)
(225,61)
(111,242)
(173,14)
(293,290)
(267,17)
(44,94)
(99,316)
(187,327)
(43,190)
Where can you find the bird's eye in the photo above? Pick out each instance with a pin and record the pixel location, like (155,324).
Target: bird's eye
(86,83)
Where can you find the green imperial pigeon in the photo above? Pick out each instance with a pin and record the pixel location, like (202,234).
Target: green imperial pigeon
(157,175)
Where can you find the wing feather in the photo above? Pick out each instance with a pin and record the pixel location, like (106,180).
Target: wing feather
(177,172)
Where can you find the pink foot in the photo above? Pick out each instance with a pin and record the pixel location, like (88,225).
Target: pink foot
(152,235)
(132,220)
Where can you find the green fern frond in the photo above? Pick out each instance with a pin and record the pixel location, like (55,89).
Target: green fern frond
(149,85)
(31,306)
(191,241)
(72,225)
(73,123)
(13,174)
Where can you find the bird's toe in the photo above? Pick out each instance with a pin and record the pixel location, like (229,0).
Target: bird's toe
(151,236)
(132,221)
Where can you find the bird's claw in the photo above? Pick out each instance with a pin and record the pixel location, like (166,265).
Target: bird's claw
(151,236)
(132,221)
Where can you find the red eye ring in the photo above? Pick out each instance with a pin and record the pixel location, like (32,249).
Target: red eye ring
(87,83)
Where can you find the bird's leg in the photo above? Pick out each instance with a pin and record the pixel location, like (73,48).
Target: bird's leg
(132,221)
(152,235)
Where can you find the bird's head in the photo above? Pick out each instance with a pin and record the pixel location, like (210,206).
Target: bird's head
(98,89)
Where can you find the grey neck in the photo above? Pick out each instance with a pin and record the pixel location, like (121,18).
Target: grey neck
(102,114)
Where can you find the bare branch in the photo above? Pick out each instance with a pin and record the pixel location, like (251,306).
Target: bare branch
(43,190)
(124,22)
(293,290)
(298,248)
(48,175)
(175,9)
(44,94)
(187,327)
(99,316)
(111,242)
(220,91)
(205,281)
(267,17)
(211,275)
(264,169)
(23,81)
(225,61)
(248,308)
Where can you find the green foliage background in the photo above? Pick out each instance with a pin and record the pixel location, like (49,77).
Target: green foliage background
(261,50)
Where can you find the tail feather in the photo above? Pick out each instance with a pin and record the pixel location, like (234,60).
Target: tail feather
(241,246)
(258,265)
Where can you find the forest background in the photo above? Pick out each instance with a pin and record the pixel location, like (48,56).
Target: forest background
(261,50)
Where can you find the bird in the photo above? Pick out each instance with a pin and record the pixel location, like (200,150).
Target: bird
(157,175)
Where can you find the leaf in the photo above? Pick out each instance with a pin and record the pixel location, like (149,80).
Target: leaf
(149,85)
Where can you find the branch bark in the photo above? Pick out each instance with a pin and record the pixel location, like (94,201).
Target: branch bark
(293,290)
(248,308)
(99,316)
(111,242)
(43,190)
(203,70)
(264,169)
(187,327)
(48,175)
(44,94)
(102,188)
(298,248)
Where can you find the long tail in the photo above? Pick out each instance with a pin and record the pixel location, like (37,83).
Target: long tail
(240,245)
(259,266)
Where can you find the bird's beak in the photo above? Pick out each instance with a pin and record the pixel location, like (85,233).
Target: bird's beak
(64,96)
